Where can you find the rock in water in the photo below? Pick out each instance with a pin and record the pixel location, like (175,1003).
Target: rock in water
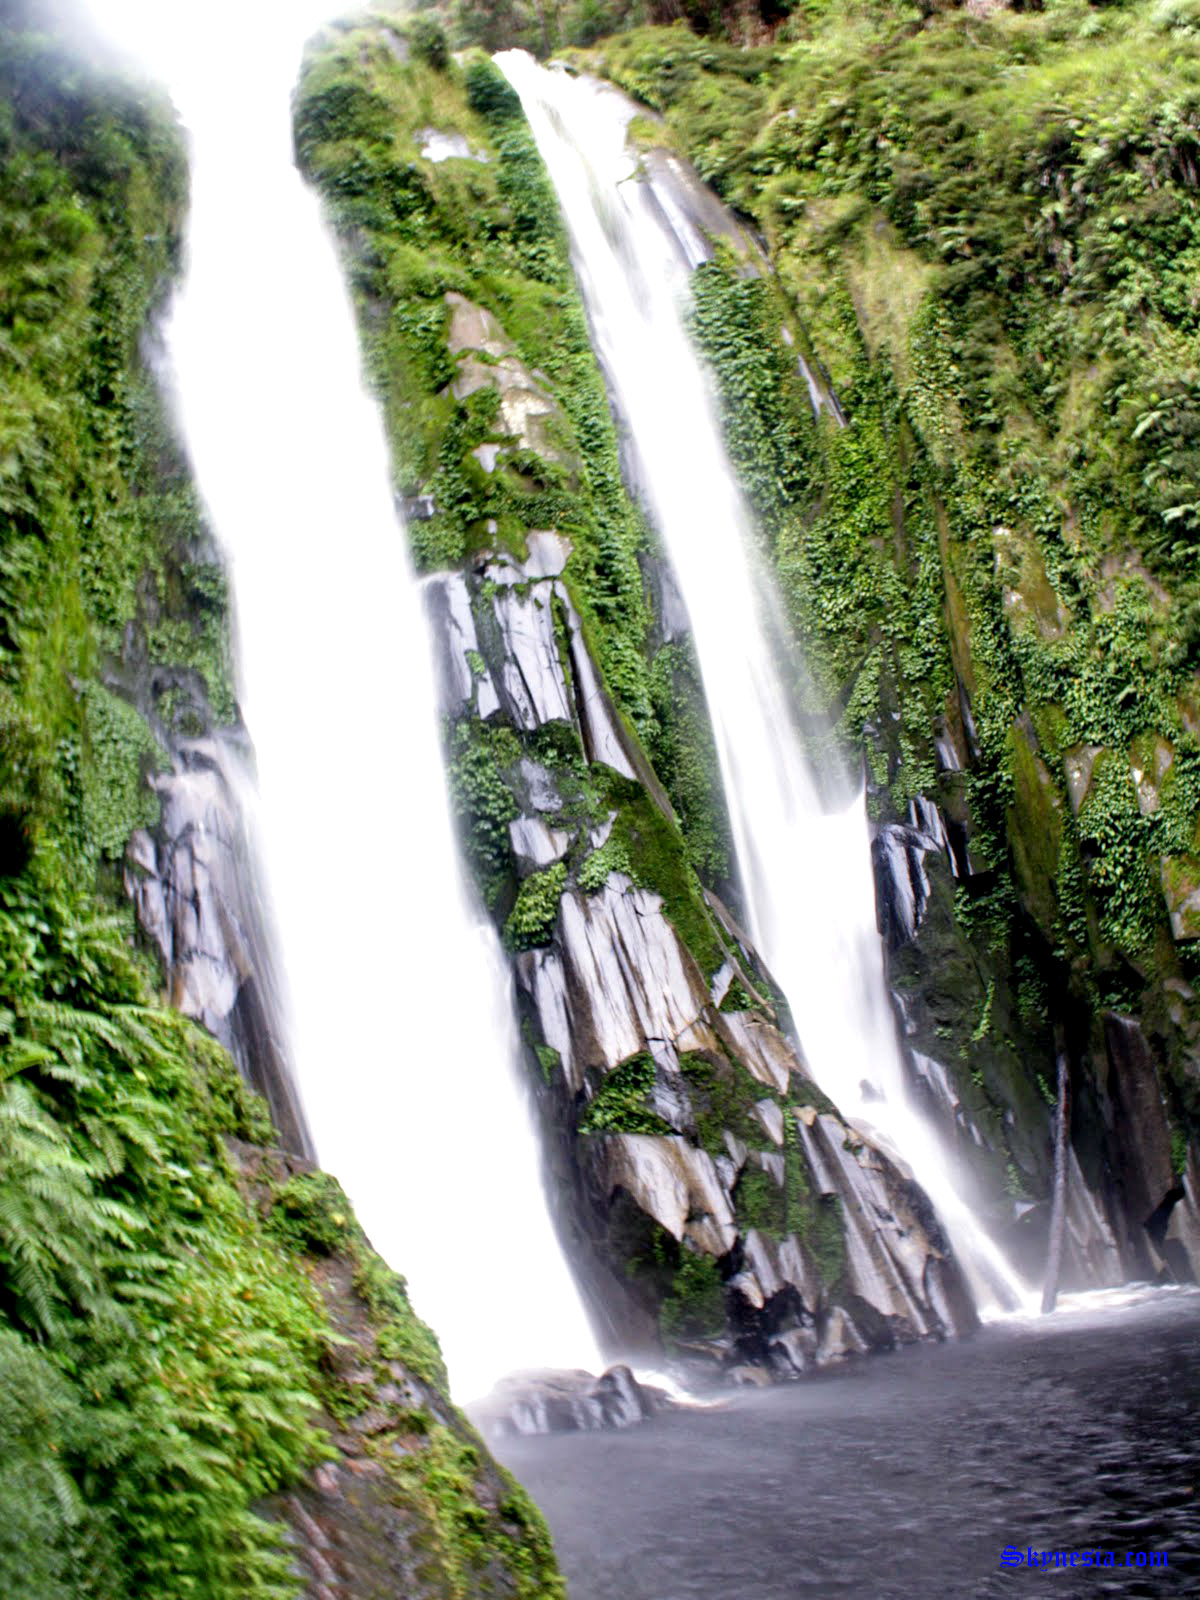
(565,1402)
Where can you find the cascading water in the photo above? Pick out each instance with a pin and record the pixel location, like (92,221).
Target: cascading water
(403,1033)
(806,870)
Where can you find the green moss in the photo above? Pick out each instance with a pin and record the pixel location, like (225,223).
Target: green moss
(548,1059)
(483,802)
(735,997)
(311,1213)
(793,1207)
(722,1094)
(438,1473)
(619,1105)
(1035,828)
(814,1218)
(120,751)
(531,921)
(650,842)
(1121,869)
(400,1333)
(684,754)
(612,856)
(694,1307)
(760,1202)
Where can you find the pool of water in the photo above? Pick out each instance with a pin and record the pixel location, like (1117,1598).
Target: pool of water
(905,1477)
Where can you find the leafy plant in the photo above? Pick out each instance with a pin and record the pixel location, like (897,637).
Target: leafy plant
(531,920)
(619,1105)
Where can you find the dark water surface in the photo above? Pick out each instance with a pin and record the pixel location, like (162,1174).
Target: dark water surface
(903,1477)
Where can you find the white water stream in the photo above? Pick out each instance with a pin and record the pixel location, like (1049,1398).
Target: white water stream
(403,1033)
(806,871)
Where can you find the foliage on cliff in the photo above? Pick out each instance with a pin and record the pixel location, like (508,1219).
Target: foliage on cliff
(466,253)
(542,26)
(168,1356)
(985,229)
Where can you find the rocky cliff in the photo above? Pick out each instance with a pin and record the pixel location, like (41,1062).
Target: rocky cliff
(961,405)
(710,1198)
(961,400)
(953,409)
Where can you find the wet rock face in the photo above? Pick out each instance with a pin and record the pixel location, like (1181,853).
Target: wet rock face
(700,1208)
(1141,1127)
(898,855)
(698,1205)
(973,1061)
(195,884)
(487,359)
(565,1402)
(1150,1189)
(1181,1240)
(615,978)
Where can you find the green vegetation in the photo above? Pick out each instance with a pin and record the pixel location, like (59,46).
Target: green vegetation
(651,844)
(102,553)
(680,744)
(483,802)
(777,1210)
(168,1353)
(311,1213)
(164,1345)
(544,25)
(619,1104)
(178,1342)
(694,1307)
(531,921)
(722,1095)
(486,229)
(611,857)
(985,231)
(440,1478)
(462,281)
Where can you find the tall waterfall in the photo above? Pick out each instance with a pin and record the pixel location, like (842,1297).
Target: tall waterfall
(403,1033)
(806,871)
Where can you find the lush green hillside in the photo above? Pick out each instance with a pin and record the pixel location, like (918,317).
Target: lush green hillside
(984,226)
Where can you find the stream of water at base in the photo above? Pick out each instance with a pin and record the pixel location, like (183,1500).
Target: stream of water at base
(906,1476)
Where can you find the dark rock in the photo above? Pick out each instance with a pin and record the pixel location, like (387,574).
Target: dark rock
(416,507)
(565,1402)
(1141,1132)
(901,883)
(196,886)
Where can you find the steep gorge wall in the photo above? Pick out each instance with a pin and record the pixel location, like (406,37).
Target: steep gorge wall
(209,1384)
(708,1195)
(983,232)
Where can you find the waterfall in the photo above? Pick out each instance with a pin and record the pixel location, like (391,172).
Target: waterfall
(402,1022)
(805,870)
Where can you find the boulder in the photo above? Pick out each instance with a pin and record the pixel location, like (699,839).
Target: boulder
(529,1403)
